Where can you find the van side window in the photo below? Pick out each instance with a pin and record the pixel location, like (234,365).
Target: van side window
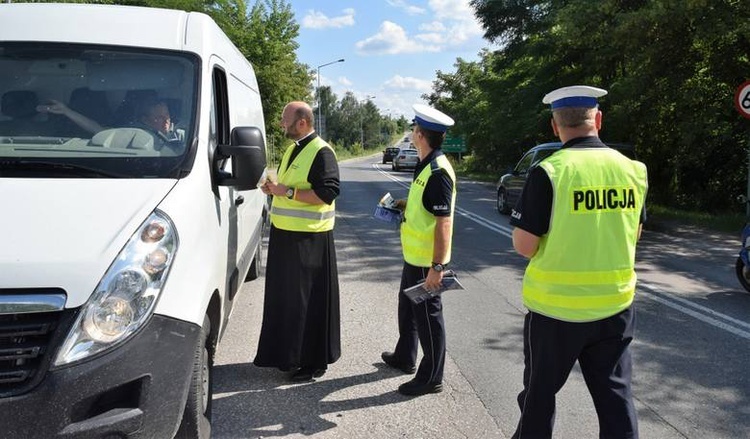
(220,119)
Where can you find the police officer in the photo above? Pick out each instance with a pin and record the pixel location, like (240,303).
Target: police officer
(426,243)
(578,220)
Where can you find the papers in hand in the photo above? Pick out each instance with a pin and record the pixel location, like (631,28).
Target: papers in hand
(386,210)
(418,294)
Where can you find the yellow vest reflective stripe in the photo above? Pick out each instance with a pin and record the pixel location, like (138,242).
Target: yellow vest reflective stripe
(294,215)
(577,275)
(418,229)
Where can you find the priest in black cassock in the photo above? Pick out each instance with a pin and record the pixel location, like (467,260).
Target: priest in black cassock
(301,324)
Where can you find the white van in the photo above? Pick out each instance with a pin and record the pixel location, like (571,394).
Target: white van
(121,250)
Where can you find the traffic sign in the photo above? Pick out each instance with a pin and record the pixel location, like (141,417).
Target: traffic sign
(742,99)
(454,144)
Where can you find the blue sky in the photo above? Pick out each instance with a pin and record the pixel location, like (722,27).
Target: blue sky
(391,48)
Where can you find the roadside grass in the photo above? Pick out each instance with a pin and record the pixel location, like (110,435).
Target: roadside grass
(357,151)
(663,218)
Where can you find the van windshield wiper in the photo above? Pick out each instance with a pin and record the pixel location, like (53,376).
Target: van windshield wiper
(21,166)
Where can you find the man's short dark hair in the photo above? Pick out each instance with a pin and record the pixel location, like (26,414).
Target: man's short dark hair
(434,138)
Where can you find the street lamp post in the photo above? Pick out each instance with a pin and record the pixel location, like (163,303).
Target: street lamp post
(361,122)
(320,125)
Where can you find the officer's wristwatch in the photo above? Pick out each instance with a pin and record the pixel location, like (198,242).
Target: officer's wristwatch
(438,266)
(290,193)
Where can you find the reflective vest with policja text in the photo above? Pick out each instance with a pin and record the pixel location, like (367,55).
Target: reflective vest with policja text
(583,269)
(418,229)
(293,215)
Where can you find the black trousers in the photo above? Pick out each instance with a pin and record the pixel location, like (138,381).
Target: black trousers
(421,323)
(551,348)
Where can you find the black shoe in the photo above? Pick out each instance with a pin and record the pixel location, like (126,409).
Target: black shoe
(417,388)
(390,359)
(306,374)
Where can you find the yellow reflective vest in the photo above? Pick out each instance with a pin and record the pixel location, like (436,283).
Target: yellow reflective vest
(583,269)
(293,215)
(418,228)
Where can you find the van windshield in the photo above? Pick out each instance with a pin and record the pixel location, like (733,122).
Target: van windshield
(71,110)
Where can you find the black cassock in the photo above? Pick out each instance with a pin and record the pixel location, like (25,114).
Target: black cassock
(301,322)
(301,311)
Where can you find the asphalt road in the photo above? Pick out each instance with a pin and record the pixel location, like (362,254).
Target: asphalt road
(690,355)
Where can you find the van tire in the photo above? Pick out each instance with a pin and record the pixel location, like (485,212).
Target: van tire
(196,419)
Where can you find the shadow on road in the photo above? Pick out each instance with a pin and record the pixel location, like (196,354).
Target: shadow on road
(250,412)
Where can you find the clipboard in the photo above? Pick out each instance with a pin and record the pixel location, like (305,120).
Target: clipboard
(418,294)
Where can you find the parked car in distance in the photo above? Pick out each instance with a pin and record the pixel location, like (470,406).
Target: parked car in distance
(510,185)
(405,159)
(389,153)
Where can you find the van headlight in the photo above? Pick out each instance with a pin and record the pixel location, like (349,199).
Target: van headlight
(125,297)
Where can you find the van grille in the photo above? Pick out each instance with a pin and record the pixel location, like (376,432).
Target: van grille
(27,342)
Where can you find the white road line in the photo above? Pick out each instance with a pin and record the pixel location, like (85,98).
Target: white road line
(706,315)
(700,312)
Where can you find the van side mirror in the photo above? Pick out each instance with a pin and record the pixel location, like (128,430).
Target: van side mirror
(248,152)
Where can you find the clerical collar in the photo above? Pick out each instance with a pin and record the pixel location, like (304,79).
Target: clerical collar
(305,140)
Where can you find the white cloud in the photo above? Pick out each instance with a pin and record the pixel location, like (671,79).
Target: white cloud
(433,26)
(391,39)
(433,38)
(452,9)
(343,80)
(318,20)
(455,21)
(399,82)
(409,9)
(453,26)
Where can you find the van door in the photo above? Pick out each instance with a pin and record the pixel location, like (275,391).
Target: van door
(230,201)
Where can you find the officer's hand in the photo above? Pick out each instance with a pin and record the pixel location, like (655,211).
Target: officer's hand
(434,278)
(400,204)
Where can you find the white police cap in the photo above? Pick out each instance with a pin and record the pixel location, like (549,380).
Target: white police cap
(574,96)
(431,119)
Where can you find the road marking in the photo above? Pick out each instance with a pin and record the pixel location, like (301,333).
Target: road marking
(706,315)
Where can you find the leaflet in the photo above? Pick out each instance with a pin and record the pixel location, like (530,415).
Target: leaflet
(387,211)
(418,294)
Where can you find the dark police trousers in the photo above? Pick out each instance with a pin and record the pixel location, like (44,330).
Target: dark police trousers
(424,323)
(551,348)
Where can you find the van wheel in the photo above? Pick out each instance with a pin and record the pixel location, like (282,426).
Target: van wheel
(196,420)
(502,202)
(254,272)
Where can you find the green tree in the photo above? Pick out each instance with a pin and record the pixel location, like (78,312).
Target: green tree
(670,67)
(267,35)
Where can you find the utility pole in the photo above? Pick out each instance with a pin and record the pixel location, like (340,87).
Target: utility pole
(319,128)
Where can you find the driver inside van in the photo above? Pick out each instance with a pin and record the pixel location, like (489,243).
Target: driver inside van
(152,115)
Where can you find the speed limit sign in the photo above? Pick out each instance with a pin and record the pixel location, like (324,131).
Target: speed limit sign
(742,99)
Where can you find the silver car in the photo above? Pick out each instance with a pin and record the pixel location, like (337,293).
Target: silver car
(405,159)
